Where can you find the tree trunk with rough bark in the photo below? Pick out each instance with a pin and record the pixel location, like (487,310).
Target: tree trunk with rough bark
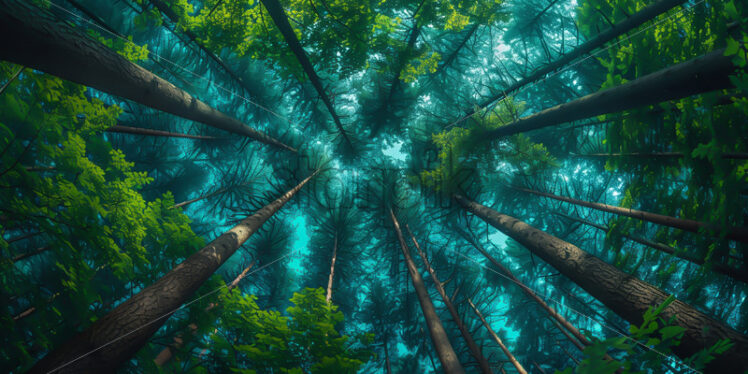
(701,74)
(114,338)
(624,294)
(600,40)
(275,9)
(167,353)
(332,269)
(734,233)
(443,347)
(44,43)
(475,351)
(719,268)
(507,352)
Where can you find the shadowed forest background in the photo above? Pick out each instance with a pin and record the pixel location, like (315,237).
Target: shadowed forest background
(386,186)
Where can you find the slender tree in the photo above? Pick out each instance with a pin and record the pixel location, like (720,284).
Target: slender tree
(723,269)
(485,367)
(579,340)
(149,132)
(275,9)
(627,296)
(443,347)
(646,14)
(701,74)
(115,337)
(328,296)
(495,337)
(655,155)
(42,42)
(735,233)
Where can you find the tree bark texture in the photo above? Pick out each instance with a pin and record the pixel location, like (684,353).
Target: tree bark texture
(117,336)
(443,347)
(600,40)
(475,351)
(507,352)
(734,233)
(44,43)
(275,9)
(698,75)
(167,353)
(624,294)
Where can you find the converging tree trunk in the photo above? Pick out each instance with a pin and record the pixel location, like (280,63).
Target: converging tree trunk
(114,338)
(495,337)
(579,340)
(148,132)
(734,233)
(275,9)
(475,351)
(727,155)
(167,353)
(443,347)
(719,268)
(698,75)
(624,294)
(41,42)
(630,23)
(332,269)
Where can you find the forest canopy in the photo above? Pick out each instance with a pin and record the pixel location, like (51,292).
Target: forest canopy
(388,186)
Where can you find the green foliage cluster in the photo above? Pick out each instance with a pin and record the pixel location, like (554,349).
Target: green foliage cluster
(648,348)
(703,127)
(90,237)
(341,36)
(464,148)
(305,340)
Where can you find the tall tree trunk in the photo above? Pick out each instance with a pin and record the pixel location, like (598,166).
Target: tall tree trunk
(167,353)
(698,75)
(275,9)
(509,355)
(149,132)
(31,253)
(444,350)
(734,233)
(728,155)
(387,354)
(191,201)
(579,340)
(472,346)
(44,43)
(114,338)
(719,268)
(332,269)
(11,79)
(600,40)
(625,295)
